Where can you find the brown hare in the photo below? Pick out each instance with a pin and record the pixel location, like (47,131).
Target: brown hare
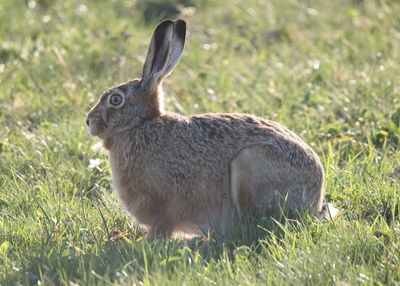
(199,173)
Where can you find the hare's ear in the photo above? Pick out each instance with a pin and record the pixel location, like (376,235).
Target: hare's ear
(164,52)
(178,42)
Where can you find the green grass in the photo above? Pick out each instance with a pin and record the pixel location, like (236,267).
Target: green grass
(329,70)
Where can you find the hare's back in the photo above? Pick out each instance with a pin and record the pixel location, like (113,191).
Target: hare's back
(235,132)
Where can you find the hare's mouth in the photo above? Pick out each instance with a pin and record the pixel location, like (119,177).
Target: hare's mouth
(93,130)
(96,128)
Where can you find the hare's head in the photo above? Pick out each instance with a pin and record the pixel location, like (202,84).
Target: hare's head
(139,99)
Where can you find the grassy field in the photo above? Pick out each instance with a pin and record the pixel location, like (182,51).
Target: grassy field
(329,70)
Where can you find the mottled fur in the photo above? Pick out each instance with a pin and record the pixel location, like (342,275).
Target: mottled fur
(198,173)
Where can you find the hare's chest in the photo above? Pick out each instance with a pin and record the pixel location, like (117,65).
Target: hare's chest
(134,178)
(125,175)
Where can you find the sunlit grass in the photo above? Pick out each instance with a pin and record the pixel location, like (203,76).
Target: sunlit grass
(326,69)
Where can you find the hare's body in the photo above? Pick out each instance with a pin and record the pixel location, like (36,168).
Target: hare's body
(198,173)
(191,173)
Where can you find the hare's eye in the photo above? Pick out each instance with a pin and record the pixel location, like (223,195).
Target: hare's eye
(115,99)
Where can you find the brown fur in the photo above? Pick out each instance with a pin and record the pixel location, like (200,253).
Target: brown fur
(194,174)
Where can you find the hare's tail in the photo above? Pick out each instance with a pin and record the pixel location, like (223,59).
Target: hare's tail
(328,212)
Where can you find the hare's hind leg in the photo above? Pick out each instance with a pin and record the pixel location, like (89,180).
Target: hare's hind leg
(262,183)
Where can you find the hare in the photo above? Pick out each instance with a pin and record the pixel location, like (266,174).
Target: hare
(199,173)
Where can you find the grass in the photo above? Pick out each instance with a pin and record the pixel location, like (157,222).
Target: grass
(329,70)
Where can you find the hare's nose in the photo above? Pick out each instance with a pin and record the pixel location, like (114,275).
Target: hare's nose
(87,122)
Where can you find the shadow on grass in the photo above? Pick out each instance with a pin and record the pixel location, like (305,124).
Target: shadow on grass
(135,258)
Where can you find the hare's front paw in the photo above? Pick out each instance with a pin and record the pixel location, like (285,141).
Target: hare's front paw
(161,229)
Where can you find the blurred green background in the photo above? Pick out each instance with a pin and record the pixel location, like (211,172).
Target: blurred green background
(329,70)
